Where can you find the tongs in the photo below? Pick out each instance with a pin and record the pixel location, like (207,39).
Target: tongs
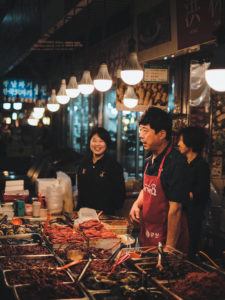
(4,219)
(78,279)
(69,221)
(115,253)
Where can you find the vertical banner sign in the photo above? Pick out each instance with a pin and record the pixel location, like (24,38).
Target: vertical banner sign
(196,21)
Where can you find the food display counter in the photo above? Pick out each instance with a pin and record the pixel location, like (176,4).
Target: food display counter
(31,269)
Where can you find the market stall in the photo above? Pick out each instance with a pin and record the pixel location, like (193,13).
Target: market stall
(79,262)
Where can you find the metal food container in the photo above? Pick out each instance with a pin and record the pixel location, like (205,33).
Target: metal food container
(20,261)
(7,273)
(176,270)
(20,291)
(155,292)
(24,249)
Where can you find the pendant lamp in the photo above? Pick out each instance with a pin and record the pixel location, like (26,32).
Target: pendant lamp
(72,89)
(38,110)
(86,85)
(103,81)
(132,73)
(32,120)
(130,98)
(62,97)
(215,75)
(53,105)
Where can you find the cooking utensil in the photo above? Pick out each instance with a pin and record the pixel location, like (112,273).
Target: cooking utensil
(4,219)
(84,270)
(115,253)
(69,221)
(75,262)
(45,227)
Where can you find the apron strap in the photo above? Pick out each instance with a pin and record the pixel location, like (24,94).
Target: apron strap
(162,162)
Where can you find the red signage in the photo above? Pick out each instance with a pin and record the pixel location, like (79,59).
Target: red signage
(196,21)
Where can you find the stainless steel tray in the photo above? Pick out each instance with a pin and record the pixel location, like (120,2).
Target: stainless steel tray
(26,245)
(97,295)
(29,257)
(81,289)
(146,267)
(19,284)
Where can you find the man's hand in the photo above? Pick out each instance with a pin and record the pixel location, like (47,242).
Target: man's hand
(135,213)
(136,209)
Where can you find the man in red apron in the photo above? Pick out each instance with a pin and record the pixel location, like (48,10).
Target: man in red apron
(164,186)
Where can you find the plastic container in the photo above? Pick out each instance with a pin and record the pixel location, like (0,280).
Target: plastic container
(54,200)
(36,209)
(28,209)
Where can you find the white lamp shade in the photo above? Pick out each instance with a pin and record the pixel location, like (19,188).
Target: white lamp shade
(86,85)
(46,121)
(103,81)
(53,104)
(62,97)
(53,107)
(39,110)
(130,98)
(37,114)
(6,105)
(72,89)
(32,121)
(17,105)
(132,73)
(216,79)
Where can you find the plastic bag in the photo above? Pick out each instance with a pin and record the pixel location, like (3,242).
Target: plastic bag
(85,214)
(66,185)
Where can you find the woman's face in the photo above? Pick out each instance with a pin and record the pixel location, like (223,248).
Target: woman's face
(97,145)
(182,147)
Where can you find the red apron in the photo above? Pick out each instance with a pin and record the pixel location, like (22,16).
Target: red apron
(155,213)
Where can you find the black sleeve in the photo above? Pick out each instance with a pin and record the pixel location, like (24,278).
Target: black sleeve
(201,185)
(118,185)
(176,181)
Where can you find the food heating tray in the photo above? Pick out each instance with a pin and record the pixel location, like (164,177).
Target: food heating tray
(22,293)
(32,259)
(6,273)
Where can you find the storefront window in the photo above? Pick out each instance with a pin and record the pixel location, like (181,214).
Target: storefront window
(131,151)
(110,119)
(78,119)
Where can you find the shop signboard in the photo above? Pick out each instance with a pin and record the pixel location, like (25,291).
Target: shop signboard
(196,21)
(24,89)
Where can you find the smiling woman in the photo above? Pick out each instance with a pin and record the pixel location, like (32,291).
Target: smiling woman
(100,179)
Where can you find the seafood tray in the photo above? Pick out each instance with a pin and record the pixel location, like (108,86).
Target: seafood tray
(173,271)
(57,291)
(28,261)
(24,249)
(35,275)
(82,251)
(61,236)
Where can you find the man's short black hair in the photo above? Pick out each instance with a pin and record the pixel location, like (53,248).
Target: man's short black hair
(158,120)
(102,133)
(193,137)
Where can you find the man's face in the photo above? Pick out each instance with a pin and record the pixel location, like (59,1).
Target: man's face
(149,138)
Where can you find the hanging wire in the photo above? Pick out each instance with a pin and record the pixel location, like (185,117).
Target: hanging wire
(132,41)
